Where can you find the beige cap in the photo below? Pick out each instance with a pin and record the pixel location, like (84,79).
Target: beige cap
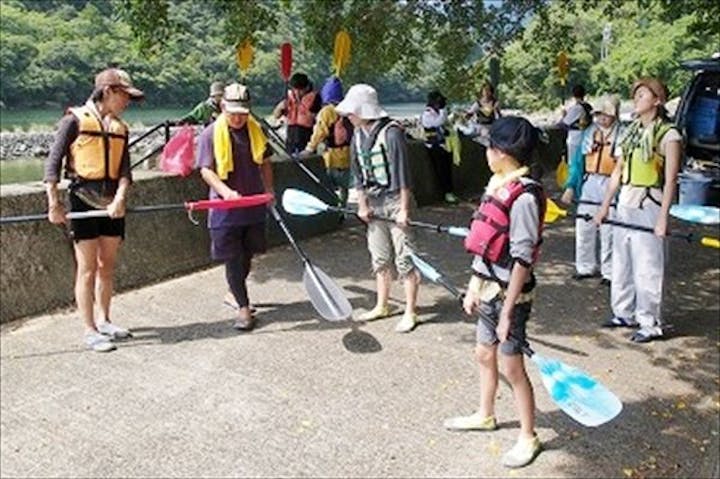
(608,105)
(236,99)
(114,77)
(657,87)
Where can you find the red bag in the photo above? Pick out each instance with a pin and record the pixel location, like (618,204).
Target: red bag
(178,155)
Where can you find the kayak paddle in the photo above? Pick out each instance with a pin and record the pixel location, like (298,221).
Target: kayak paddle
(576,393)
(298,202)
(706,215)
(326,297)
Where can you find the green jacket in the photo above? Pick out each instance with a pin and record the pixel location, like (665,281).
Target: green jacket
(204,113)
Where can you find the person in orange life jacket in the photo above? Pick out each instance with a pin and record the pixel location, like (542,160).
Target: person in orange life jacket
(299,108)
(381,175)
(433,121)
(501,288)
(575,119)
(233,155)
(336,131)
(646,173)
(208,110)
(93,140)
(589,175)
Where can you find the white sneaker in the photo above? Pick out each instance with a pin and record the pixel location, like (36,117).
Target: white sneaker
(407,323)
(473,422)
(98,342)
(523,453)
(113,331)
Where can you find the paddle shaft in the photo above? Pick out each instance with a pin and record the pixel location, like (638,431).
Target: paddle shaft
(279,220)
(280,146)
(686,236)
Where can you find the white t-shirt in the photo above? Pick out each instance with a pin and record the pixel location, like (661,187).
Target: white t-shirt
(573,114)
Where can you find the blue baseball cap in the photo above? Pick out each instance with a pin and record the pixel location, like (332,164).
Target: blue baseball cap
(332,91)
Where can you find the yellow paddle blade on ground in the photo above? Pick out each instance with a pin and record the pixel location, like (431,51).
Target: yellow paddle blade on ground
(553,212)
(244,55)
(341,52)
(561,174)
(710,242)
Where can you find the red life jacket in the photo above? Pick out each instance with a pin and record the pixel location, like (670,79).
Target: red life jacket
(298,110)
(489,235)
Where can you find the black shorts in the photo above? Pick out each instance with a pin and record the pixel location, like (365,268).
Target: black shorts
(232,241)
(91,228)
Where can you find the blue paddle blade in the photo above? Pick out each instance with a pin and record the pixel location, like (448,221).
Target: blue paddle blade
(458,231)
(425,269)
(706,215)
(577,394)
(297,202)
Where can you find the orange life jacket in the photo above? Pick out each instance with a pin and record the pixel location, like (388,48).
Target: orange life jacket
(97,152)
(600,160)
(298,110)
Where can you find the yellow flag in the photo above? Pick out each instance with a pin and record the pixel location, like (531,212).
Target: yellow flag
(341,52)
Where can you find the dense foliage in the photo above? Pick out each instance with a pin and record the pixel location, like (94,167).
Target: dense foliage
(50,49)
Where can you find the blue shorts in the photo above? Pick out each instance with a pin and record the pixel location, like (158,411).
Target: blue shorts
(487,322)
(231,241)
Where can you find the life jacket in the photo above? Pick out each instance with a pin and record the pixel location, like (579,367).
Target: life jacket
(485,114)
(374,164)
(97,152)
(298,110)
(585,118)
(637,170)
(600,159)
(489,235)
(341,135)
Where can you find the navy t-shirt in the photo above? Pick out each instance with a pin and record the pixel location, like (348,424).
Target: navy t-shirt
(246,178)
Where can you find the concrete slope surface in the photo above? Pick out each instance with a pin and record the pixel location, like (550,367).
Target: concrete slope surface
(300,397)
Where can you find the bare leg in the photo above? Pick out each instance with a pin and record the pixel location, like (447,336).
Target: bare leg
(383,280)
(86,257)
(412,282)
(487,362)
(514,371)
(106,258)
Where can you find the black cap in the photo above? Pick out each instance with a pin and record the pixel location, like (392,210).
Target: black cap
(513,135)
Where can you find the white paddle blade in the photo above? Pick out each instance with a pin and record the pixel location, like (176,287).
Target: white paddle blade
(425,269)
(326,297)
(458,231)
(577,394)
(298,202)
(706,215)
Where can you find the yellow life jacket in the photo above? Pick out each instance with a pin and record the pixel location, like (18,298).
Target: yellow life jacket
(97,152)
(600,160)
(643,164)
(374,165)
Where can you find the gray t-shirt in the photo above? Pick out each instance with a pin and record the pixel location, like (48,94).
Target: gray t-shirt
(397,157)
(524,235)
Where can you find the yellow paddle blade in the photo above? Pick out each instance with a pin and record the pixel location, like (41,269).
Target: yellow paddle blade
(341,52)
(244,55)
(553,212)
(561,174)
(710,242)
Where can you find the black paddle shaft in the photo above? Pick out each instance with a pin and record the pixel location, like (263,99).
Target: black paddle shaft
(278,218)
(439,228)
(269,129)
(686,236)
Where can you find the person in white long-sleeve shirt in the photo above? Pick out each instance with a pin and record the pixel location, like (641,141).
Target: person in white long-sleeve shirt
(433,121)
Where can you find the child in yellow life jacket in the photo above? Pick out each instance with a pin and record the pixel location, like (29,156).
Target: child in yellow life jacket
(505,237)
(588,178)
(646,173)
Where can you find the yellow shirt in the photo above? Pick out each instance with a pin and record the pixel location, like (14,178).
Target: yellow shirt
(334,157)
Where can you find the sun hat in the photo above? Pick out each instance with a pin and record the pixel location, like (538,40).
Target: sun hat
(657,88)
(236,99)
(331,91)
(608,105)
(114,77)
(361,100)
(217,88)
(513,135)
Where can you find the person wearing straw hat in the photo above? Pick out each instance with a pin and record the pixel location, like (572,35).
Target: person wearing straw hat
(587,181)
(233,156)
(93,140)
(646,174)
(381,175)
(207,110)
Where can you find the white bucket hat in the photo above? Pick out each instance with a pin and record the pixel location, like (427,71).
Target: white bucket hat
(361,100)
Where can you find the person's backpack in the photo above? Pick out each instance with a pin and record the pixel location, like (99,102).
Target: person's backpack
(585,118)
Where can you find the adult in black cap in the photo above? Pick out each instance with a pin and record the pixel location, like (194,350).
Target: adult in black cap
(504,237)
(433,121)
(300,106)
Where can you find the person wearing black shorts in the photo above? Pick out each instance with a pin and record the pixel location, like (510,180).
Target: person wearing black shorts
(93,141)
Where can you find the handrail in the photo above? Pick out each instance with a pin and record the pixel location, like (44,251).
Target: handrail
(166,125)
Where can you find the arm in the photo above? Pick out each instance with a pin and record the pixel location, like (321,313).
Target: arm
(321,129)
(214,181)
(576,170)
(404,214)
(612,187)
(518,276)
(67,133)
(433,119)
(266,171)
(279,109)
(672,166)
